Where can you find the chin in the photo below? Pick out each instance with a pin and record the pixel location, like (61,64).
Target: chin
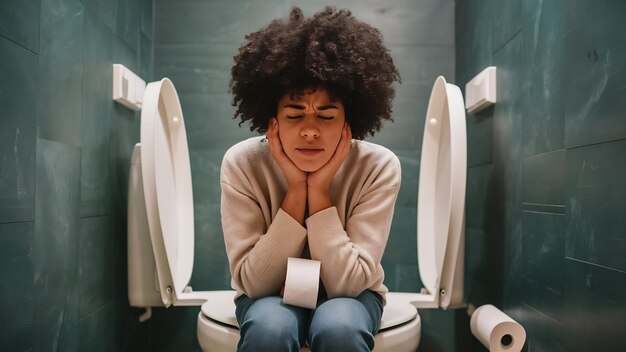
(310,165)
(308,168)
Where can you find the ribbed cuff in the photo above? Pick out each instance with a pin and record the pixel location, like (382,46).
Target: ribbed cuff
(283,223)
(325,223)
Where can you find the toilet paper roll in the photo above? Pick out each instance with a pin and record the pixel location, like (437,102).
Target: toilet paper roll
(302,283)
(496,330)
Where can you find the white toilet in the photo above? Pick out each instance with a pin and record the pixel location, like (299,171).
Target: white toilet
(161,223)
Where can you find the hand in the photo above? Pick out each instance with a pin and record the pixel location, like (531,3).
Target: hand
(295,176)
(318,182)
(294,202)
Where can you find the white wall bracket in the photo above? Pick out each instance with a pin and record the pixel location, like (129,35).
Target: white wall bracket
(128,88)
(480,92)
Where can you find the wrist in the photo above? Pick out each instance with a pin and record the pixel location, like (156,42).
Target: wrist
(294,204)
(318,200)
(317,189)
(297,187)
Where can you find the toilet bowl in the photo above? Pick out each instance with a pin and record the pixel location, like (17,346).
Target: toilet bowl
(161,224)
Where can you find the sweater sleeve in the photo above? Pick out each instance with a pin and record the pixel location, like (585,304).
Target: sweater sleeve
(351,257)
(257,255)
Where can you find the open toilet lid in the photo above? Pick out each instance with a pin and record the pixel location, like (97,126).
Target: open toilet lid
(167,184)
(443,169)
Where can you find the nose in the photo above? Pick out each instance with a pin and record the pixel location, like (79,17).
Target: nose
(309,129)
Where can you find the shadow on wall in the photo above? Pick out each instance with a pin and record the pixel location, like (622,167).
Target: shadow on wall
(487,276)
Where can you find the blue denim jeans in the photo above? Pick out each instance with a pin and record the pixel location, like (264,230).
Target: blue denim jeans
(338,324)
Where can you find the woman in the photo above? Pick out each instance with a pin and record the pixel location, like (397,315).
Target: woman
(308,189)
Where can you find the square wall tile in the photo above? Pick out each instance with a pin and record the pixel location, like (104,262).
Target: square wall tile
(61,71)
(402,277)
(105,10)
(55,246)
(193,22)
(96,331)
(544,126)
(595,307)
(402,241)
(147,15)
(542,332)
(97,125)
(145,58)
(407,129)
(543,263)
(18,128)
(596,230)
(506,21)
(125,55)
(544,182)
(19,21)
(432,338)
(211,271)
(209,122)
(419,66)
(409,187)
(127,131)
(196,68)
(595,72)
(95,264)
(473,40)
(544,248)
(480,137)
(128,22)
(180,336)
(483,267)
(16,287)
(508,115)
(16,240)
(401,22)
(479,200)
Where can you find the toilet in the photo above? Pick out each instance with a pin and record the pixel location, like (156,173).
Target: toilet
(161,223)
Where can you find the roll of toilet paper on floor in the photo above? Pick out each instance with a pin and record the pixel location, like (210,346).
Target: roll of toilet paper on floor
(302,283)
(496,330)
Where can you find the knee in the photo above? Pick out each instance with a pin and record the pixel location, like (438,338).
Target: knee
(269,328)
(269,335)
(341,326)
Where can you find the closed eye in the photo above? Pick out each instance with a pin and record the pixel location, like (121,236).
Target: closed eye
(293,117)
(326,117)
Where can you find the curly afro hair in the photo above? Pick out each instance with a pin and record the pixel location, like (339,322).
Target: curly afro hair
(332,50)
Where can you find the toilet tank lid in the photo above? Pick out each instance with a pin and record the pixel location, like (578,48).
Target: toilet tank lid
(167,182)
(442,181)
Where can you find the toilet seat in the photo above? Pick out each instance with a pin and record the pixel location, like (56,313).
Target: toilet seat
(221,309)
(223,313)
(218,328)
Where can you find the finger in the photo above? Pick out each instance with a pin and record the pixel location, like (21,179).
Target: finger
(276,147)
(343,148)
(274,141)
(346,139)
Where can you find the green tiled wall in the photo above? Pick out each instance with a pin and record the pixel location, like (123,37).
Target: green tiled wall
(194,45)
(65,151)
(18,69)
(545,232)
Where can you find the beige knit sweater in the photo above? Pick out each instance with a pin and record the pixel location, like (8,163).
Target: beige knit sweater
(348,239)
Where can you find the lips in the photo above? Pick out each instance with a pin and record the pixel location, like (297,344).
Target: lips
(309,151)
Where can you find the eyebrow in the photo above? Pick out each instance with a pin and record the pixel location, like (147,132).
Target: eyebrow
(294,106)
(302,107)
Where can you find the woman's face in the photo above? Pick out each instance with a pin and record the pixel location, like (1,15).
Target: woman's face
(309,127)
